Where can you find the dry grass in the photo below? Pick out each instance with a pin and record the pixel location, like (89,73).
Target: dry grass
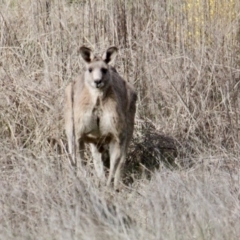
(183,164)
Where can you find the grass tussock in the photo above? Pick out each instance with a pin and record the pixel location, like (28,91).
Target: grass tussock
(182,172)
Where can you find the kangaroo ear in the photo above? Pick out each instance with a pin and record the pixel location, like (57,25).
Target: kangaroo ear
(110,54)
(86,54)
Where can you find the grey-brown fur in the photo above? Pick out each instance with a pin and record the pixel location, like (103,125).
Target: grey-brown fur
(104,106)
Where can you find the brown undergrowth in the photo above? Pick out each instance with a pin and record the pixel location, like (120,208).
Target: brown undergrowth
(182,173)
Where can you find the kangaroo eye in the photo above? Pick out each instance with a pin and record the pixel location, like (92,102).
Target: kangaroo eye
(90,70)
(104,70)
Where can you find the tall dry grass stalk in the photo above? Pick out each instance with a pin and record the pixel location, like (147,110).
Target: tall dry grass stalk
(183,58)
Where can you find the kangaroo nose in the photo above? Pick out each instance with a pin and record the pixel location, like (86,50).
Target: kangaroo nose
(97,82)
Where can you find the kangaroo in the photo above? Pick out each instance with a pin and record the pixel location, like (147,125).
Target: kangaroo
(100,109)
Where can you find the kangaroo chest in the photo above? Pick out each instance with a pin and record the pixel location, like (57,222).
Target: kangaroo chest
(101,119)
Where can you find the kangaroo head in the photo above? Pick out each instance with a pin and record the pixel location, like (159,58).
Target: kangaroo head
(97,69)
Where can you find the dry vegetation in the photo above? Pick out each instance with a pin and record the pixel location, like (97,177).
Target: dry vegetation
(182,175)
